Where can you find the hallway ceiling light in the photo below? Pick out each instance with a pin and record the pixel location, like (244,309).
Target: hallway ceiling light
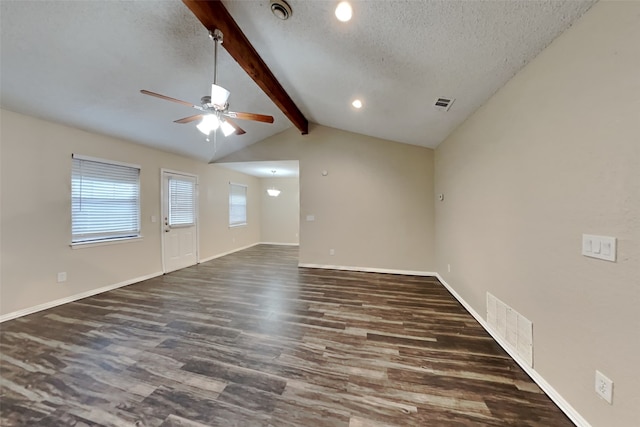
(273,192)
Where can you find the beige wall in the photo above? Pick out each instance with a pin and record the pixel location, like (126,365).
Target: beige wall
(216,237)
(282,146)
(375,206)
(554,154)
(280,215)
(36,213)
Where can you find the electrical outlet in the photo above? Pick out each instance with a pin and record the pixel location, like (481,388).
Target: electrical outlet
(332,251)
(604,387)
(62,276)
(449,268)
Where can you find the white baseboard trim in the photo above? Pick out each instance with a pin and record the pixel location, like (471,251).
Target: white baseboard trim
(279,244)
(369,269)
(55,303)
(569,410)
(227,253)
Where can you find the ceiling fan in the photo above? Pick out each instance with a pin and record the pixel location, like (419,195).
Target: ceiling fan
(214,108)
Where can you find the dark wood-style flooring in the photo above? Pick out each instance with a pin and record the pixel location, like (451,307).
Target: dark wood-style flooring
(250,339)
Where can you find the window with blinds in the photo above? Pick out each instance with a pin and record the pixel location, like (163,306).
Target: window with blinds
(105,200)
(182,209)
(237,204)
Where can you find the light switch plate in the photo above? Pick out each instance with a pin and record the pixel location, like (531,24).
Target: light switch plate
(601,247)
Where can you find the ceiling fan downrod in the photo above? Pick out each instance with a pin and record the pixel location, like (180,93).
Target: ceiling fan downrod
(214,110)
(217,37)
(219,95)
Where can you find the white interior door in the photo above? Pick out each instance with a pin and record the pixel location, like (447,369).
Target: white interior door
(179,220)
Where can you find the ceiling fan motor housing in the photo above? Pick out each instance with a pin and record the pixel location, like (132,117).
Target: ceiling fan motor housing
(280,9)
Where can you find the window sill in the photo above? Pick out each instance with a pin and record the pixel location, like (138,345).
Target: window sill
(91,244)
(237,225)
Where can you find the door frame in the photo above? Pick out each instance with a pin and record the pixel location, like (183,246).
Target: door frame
(164,172)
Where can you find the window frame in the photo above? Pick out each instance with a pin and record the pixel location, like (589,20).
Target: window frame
(246,191)
(93,239)
(192,180)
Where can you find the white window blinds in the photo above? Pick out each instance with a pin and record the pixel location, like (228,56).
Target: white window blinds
(237,204)
(105,200)
(182,201)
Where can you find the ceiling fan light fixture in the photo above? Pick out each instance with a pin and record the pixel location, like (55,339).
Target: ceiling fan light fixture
(215,108)
(226,127)
(219,96)
(344,12)
(208,124)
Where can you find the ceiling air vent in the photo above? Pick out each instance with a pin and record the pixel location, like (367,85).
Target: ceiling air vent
(280,9)
(444,103)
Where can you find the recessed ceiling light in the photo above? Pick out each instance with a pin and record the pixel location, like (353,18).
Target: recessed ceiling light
(280,9)
(357,103)
(344,11)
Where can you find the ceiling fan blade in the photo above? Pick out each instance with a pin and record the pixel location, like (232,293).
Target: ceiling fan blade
(168,98)
(250,116)
(239,130)
(189,119)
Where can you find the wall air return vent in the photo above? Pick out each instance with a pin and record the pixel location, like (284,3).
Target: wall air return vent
(444,103)
(511,327)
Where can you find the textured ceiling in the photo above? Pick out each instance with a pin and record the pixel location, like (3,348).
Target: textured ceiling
(83,63)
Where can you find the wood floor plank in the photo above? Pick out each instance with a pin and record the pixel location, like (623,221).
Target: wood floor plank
(251,339)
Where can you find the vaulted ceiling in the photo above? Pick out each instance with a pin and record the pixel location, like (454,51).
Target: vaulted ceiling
(83,64)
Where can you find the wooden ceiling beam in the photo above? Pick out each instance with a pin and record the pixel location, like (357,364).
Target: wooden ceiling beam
(214,15)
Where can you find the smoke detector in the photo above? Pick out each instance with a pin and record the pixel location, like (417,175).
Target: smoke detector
(280,9)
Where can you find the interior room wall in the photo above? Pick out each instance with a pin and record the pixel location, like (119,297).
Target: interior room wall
(280,215)
(36,213)
(282,146)
(555,154)
(216,237)
(374,207)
